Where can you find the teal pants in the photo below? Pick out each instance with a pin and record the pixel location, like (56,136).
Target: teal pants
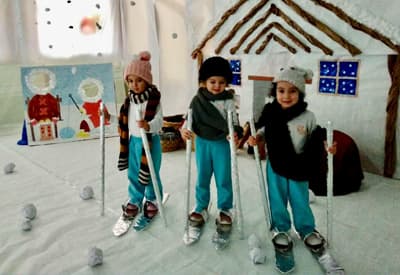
(282,191)
(213,157)
(136,190)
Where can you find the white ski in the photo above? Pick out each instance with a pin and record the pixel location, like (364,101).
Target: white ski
(142,222)
(328,263)
(192,235)
(123,224)
(221,240)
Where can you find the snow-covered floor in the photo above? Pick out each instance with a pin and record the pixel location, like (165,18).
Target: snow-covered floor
(365,238)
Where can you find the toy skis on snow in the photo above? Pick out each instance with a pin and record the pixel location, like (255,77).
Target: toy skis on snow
(123,224)
(139,224)
(143,221)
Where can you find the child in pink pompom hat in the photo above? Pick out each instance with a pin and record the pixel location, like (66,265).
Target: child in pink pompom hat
(140,66)
(144,98)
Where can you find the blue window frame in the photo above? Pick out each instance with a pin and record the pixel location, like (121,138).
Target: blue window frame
(338,77)
(236,67)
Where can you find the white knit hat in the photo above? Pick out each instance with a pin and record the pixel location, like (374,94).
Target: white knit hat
(296,76)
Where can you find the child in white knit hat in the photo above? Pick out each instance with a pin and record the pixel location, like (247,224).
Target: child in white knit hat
(289,129)
(143,98)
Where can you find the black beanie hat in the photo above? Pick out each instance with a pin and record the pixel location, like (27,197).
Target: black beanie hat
(215,66)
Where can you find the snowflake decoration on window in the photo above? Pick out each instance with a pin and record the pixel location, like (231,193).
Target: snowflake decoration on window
(338,77)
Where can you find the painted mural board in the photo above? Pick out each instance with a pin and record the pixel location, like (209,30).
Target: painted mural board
(62,102)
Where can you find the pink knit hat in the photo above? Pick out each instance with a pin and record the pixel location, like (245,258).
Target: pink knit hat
(140,66)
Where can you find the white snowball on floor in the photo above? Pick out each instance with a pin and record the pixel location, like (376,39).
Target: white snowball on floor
(257,255)
(29,211)
(9,168)
(95,257)
(26,225)
(86,193)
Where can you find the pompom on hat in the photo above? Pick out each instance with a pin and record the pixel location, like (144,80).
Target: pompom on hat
(296,76)
(215,66)
(140,66)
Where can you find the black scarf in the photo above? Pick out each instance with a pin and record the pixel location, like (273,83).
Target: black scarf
(282,155)
(208,122)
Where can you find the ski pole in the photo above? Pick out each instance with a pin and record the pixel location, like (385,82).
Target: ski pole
(261,181)
(235,174)
(151,165)
(188,170)
(102,145)
(329,139)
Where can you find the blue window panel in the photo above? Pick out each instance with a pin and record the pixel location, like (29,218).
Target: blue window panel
(347,86)
(328,68)
(327,85)
(237,79)
(236,65)
(348,69)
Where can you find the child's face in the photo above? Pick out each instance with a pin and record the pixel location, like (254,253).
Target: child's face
(216,84)
(287,94)
(136,83)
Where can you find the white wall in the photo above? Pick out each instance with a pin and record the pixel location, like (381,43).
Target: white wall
(175,27)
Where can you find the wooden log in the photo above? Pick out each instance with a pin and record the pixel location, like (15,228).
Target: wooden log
(353,50)
(215,29)
(391,117)
(250,31)
(300,30)
(357,25)
(239,24)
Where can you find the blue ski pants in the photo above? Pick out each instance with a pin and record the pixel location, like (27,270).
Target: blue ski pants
(213,157)
(136,190)
(282,190)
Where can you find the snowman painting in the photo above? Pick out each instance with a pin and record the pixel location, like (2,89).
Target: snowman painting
(43,109)
(91,91)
